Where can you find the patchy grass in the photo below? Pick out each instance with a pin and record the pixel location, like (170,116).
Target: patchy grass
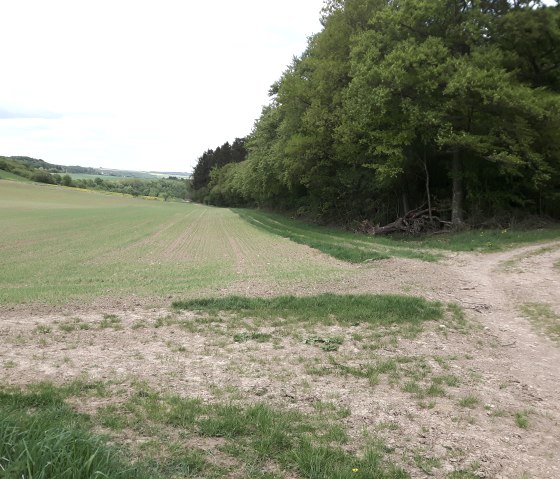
(484,241)
(40,436)
(43,437)
(324,308)
(544,319)
(326,344)
(252,336)
(470,401)
(512,264)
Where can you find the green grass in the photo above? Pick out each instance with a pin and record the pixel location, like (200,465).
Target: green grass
(61,244)
(343,245)
(357,248)
(324,308)
(41,436)
(7,175)
(544,319)
(484,241)
(469,401)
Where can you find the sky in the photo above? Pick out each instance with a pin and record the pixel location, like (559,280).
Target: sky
(140,84)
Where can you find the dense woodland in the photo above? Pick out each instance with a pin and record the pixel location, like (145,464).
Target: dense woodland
(448,106)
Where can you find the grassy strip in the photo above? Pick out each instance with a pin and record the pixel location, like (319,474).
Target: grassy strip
(41,437)
(346,309)
(484,241)
(343,245)
(357,248)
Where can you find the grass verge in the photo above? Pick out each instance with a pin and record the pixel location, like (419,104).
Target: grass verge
(343,245)
(357,248)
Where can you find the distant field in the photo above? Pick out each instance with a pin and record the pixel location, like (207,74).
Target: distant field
(59,244)
(85,176)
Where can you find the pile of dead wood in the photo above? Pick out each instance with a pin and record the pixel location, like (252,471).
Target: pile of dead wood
(420,220)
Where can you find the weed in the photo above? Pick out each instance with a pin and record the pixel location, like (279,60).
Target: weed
(426,464)
(326,344)
(110,321)
(253,336)
(43,329)
(176,348)
(469,401)
(72,325)
(522,419)
(164,321)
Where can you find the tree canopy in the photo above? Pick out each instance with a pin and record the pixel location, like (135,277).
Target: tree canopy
(400,103)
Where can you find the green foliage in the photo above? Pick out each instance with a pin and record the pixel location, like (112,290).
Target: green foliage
(396,104)
(218,158)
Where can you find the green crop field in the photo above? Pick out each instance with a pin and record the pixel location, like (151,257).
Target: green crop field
(59,244)
(108,177)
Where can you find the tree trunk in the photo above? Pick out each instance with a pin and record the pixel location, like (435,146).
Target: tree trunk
(406,208)
(457,199)
(428,195)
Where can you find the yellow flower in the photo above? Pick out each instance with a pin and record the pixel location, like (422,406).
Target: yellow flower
(355,469)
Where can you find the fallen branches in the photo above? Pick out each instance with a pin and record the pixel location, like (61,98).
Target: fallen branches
(420,220)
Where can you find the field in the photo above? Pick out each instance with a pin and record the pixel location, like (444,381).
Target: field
(115,177)
(6,175)
(175,340)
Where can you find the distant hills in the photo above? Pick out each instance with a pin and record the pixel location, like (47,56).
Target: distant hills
(35,163)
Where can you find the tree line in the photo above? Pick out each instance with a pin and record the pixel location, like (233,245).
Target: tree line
(452,106)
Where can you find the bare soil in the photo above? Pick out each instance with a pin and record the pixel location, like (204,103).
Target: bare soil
(499,359)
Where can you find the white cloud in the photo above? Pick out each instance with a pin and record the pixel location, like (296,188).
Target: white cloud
(141,84)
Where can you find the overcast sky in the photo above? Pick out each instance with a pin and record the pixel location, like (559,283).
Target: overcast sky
(138,84)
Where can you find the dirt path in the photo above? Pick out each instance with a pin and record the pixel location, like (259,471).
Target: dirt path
(504,360)
(496,287)
(500,285)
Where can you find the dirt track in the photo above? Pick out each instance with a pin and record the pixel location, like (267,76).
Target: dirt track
(502,360)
